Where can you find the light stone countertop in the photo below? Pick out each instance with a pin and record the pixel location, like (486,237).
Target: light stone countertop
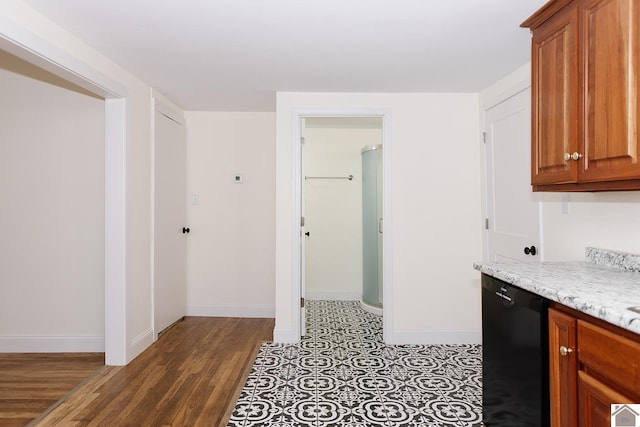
(603,286)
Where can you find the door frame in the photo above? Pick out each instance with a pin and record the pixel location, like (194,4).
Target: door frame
(31,47)
(387,226)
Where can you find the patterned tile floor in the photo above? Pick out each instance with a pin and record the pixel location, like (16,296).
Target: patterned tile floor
(342,374)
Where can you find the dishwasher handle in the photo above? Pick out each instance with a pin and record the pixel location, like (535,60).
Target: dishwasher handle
(504,297)
(513,295)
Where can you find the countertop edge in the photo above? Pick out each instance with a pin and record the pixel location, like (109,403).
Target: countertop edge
(625,319)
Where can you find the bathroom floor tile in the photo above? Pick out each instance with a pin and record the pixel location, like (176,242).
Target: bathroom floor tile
(342,374)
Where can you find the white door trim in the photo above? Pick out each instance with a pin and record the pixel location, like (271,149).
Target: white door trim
(29,46)
(511,85)
(296,172)
(165,106)
(302,321)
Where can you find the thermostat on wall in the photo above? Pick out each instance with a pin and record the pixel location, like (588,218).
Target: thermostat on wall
(237,179)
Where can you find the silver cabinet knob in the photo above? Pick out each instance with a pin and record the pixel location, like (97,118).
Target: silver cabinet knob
(567,157)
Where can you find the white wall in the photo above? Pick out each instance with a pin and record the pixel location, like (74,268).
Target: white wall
(52,194)
(333,215)
(435,203)
(609,220)
(231,246)
(23,31)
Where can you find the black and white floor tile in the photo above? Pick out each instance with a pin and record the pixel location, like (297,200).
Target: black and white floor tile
(342,374)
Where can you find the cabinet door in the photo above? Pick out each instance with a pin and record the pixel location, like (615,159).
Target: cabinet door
(562,369)
(610,48)
(595,400)
(555,98)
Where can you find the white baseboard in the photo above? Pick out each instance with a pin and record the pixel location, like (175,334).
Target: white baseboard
(285,336)
(434,336)
(52,345)
(400,337)
(140,344)
(333,295)
(259,311)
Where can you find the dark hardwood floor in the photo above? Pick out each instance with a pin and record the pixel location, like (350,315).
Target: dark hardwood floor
(190,377)
(31,383)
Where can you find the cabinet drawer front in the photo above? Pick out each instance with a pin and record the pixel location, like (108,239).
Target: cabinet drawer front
(611,356)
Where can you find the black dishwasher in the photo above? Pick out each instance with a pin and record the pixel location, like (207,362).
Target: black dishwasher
(515,367)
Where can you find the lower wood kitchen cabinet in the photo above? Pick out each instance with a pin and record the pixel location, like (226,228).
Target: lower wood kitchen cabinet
(592,364)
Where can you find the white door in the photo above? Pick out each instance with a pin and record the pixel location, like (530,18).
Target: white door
(303,235)
(170,222)
(512,208)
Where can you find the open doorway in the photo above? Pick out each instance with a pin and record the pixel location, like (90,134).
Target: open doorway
(52,268)
(31,47)
(52,189)
(333,246)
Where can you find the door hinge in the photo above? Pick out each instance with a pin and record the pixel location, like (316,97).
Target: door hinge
(486,223)
(301,221)
(302,302)
(302,140)
(484,137)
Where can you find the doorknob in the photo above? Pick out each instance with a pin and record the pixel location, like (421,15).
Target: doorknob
(185,230)
(307,234)
(530,251)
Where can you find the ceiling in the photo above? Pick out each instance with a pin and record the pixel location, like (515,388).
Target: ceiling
(234,55)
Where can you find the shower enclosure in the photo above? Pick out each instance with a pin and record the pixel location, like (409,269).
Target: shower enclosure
(372,229)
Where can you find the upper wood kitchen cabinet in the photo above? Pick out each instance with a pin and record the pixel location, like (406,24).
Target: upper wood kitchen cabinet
(585,95)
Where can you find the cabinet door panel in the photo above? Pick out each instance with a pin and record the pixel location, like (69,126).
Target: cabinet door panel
(610,61)
(595,400)
(555,98)
(562,370)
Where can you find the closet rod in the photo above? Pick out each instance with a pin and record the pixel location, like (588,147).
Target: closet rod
(349,177)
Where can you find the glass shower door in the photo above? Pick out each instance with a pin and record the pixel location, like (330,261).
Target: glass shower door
(372,225)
